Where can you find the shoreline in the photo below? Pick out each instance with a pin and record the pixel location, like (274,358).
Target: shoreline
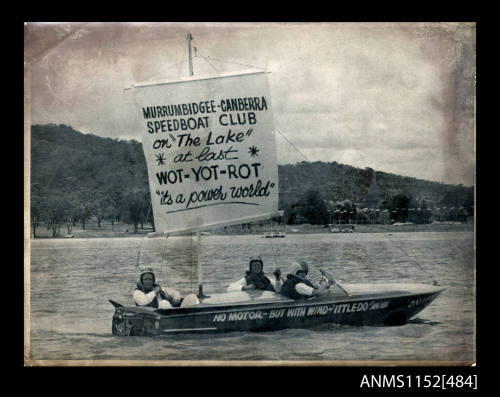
(119,231)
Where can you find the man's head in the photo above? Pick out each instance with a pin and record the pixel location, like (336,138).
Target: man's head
(147,277)
(256,264)
(300,269)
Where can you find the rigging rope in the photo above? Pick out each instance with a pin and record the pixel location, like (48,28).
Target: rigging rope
(191,264)
(140,248)
(168,67)
(197,54)
(139,253)
(155,74)
(236,63)
(303,155)
(160,273)
(210,63)
(182,59)
(274,253)
(149,208)
(386,234)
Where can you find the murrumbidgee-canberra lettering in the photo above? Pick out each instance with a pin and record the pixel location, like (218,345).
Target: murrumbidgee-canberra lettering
(173,115)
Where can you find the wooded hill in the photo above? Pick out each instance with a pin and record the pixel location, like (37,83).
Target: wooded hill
(76,176)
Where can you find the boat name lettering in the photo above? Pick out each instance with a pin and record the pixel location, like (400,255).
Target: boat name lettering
(317,310)
(351,307)
(420,301)
(296,312)
(219,317)
(276,313)
(379,305)
(238,316)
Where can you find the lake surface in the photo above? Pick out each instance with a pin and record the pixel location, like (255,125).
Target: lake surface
(72,280)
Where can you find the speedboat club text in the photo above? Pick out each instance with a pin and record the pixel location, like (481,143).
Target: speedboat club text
(244,105)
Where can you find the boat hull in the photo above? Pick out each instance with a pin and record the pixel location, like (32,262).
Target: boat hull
(267,311)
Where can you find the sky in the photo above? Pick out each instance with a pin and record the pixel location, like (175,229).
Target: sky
(395,97)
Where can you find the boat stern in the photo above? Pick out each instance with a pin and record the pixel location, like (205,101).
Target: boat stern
(134,321)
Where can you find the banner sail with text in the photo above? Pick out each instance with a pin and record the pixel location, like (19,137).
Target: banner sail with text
(210,150)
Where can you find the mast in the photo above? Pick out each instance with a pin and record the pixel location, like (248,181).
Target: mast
(200,272)
(189,39)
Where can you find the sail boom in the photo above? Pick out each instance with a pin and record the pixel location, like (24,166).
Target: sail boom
(215,225)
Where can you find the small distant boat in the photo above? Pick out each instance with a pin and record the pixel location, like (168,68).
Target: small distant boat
(275,235)
(342,229)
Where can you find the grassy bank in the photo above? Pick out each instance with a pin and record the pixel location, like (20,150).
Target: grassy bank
(92,230)
(307,229)
(123,230)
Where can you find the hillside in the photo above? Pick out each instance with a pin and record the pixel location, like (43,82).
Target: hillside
(76,176)
(339,182)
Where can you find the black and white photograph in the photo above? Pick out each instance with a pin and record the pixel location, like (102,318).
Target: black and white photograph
(249,193)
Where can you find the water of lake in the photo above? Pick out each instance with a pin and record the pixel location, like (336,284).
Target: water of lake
(72,280)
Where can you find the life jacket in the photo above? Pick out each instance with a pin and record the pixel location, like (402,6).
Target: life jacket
(288,287)
(260,281)
(154,302)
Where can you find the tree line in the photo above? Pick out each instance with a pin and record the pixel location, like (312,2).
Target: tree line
(76,177)
(401,208)
(322,193)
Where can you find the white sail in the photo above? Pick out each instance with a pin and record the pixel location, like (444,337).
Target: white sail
(210,151)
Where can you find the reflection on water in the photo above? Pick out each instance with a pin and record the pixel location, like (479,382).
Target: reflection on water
(72,280)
